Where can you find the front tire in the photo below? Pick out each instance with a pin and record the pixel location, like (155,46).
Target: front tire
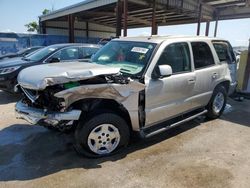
(217,103)
(101,135)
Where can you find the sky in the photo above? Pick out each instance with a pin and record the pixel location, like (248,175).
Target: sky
(15,14)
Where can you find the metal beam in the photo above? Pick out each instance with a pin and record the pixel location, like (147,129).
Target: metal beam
(87,30)
(42,27)
(80,7)
(71,22)
(216,24)
(247,70)
(125,17)
(234,13)
(154,26)
(199,19)
(118,18)
(207,28)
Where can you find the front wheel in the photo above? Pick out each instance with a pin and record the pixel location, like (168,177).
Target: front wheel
(101,135)
(217,103)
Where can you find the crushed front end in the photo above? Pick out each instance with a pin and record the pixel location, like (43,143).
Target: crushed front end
(42,108)
(56,96)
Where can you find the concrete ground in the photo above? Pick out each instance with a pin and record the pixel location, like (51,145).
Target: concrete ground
(195,154)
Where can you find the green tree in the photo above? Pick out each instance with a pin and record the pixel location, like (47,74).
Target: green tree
(46,11)
(32,26)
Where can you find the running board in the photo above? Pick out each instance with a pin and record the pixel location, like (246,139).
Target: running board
(147,135)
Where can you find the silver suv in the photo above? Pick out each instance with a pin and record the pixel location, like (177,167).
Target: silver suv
(144,85)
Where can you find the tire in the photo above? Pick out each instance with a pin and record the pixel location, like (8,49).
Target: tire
(106,131)
(217,102)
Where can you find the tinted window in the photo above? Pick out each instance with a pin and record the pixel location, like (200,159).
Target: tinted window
(224,52)
(67,54)
(176,55)
(40,54)
(87,52)
(221,51)
(202,55)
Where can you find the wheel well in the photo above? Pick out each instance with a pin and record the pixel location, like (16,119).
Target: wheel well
(92,107)
(226,84)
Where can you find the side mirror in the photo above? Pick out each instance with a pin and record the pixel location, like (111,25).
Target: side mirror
(54,60)
(165,70)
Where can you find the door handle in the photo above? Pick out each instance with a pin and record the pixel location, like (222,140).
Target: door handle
(191,81)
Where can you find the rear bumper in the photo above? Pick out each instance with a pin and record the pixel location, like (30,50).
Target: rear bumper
(40,116)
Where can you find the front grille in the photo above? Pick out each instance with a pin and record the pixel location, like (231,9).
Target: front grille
(31,94)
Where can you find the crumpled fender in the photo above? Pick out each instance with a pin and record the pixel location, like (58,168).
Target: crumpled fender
(118,92)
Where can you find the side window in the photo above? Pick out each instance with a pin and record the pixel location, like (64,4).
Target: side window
(67,54)
(202,55)
(224,52)
(177,55)
(231,51)
(87,52)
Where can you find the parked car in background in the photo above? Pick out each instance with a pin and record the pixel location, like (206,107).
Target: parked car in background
(21,53)
(104,41)
(10,68)
(142,85)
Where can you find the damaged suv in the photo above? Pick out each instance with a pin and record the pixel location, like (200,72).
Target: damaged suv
(132,85)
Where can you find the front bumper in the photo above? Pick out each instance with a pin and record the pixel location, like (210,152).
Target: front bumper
(41,117)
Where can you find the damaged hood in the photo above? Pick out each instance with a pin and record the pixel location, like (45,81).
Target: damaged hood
(40,76)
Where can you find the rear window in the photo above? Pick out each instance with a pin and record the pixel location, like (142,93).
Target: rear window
(224,51)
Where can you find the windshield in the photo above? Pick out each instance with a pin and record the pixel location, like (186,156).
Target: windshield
(40,54)
(131,57)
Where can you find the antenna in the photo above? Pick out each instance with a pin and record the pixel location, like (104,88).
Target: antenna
(52,5)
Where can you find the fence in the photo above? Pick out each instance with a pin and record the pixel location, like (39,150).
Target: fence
(13,42)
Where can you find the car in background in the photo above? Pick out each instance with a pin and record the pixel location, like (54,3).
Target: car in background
(21,53)
(10,68)
(104,41)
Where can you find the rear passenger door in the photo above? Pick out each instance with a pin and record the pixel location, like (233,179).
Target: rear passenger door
(226,55)
(169,96)
(207,73)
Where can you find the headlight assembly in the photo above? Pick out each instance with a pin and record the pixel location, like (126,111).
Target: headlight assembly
(9,70)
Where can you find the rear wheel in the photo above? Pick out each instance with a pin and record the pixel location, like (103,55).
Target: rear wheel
(217,103)
(101,135)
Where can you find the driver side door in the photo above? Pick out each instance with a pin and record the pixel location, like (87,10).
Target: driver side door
(170,96)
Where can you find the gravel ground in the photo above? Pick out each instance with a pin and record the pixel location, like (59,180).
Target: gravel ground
(196,154)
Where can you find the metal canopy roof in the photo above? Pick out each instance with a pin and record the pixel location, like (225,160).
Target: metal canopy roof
(168,12)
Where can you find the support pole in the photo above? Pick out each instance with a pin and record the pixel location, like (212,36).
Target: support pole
(125,17)
(154,25)
(87,31)
(207,28)
(247,72)
(199,20)
(216,26)
(118,18)
(71,20)
(42,27)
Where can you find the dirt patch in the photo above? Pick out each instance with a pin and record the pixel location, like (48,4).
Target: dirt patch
(201,175)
